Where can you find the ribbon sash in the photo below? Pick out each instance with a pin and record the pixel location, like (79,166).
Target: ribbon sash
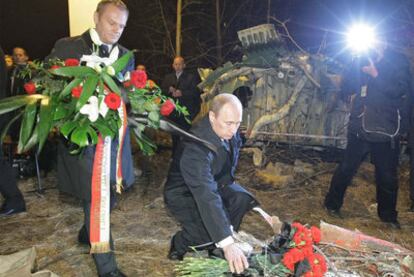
(101,197)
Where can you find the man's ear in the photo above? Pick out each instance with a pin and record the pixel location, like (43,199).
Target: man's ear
(95,18)
(211,116)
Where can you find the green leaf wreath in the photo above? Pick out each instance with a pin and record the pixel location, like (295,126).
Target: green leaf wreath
(82,102)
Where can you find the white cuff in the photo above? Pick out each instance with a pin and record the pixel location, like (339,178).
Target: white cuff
(225,242)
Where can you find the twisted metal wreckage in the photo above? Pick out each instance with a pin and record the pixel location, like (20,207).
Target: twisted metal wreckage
(288,96)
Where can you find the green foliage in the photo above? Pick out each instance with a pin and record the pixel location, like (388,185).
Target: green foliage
(54,106)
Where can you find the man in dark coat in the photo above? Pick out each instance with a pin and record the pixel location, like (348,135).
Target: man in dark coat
(200,190)
(181,85)
(13,198)
(375,124)
(75,171)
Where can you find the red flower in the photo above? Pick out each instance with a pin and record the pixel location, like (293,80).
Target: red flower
(127,84)
(167,108)
(77,91)
(289,261)
(307,251)
(55,66)
(113,101)
(139,78)
(316,234)
(30,87)
(71,62)
(299,227)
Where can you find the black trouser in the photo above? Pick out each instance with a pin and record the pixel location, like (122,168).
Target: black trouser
(385,159)
(8,186)
(104,262)
(193,232)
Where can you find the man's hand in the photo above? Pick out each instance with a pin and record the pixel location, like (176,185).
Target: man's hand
(370,69)
(236,259)
(177,93)
(172,90)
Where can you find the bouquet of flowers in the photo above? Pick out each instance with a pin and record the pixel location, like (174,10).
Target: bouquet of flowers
(83,100)
(291,253)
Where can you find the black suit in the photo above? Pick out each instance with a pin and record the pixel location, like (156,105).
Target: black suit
(13,198)
(75,171)
(200,191)
(187,84)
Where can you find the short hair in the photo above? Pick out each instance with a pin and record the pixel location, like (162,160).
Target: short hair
(222,99)
(117,3)
(24,50)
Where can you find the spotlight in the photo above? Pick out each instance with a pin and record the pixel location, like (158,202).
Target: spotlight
(361,37)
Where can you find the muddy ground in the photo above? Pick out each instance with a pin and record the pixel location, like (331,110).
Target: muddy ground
(142,228)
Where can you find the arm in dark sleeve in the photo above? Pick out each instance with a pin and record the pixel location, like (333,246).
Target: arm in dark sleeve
(195,166)
(394,79)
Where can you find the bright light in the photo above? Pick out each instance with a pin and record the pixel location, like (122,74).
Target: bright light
(361,38)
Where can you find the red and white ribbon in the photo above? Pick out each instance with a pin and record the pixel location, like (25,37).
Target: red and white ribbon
(101,191)
(101,197)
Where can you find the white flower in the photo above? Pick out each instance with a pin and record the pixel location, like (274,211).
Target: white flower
(110,70)
(97,68)
(91,109)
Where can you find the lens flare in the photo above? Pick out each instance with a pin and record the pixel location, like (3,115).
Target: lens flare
(361,37)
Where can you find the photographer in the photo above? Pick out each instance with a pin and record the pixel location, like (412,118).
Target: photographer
(378,86)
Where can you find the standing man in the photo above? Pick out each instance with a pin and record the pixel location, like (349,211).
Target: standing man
(200,190)
(75,171)
(13,198)
(182,87)
(374,127)
(20,61)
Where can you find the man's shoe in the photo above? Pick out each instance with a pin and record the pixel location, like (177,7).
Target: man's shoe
(173,254)
(7,211)
(393,224)
(115,273)
(334,212)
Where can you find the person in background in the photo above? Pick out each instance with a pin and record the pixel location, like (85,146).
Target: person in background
(181,85)
(380,84)
(13,199)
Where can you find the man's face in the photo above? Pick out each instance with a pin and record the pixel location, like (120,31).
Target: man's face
(110,23)
(19,56)
(227,121)
(178,65)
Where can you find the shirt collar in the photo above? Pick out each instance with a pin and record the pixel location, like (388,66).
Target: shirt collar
(96,40)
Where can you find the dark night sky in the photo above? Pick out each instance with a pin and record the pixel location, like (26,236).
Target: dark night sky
(36,24)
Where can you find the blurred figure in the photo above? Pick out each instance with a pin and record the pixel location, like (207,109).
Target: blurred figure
(13,198)
(20,61)
(182,86)
(9,61)
(380,83)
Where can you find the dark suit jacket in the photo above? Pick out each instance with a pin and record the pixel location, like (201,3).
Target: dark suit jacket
(198,172)
(187,83)
(3,85)
(75,171)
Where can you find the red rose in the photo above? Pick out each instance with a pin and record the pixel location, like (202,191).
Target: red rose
(71,62)
(113,101)
(167,108)
(316,234)
(77,91)
(30,87)
(139,78)
(55,66)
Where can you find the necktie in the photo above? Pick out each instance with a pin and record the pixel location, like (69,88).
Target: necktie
(103,51)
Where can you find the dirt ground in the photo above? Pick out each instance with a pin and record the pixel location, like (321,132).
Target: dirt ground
(142,228)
